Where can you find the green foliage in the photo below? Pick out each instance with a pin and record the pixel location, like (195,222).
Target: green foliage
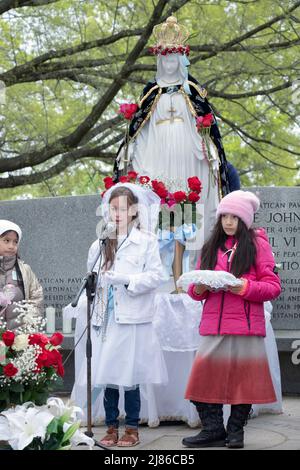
(56,437)
(260,132)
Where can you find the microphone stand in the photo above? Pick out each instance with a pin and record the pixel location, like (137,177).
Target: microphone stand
(89,283)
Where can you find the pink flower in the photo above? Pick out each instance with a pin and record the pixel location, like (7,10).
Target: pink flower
(128,110)
(171,201)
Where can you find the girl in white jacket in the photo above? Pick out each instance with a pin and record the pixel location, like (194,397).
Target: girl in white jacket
(126,352)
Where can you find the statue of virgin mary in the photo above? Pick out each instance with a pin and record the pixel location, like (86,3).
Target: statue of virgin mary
(164,142)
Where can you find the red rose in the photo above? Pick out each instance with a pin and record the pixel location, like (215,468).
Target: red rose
(8,338)
(144,179)
(194,184)
(160,190)
(41,360)
(108,182)
(162,193)
(56,339)
(180,196)
(52,358)
(208,120)
(132,175)
(124,179)
(60,370)
(128,110)
(39,339)
(10,370)
(193,197)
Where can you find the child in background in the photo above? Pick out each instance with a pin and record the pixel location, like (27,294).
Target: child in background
(15,276)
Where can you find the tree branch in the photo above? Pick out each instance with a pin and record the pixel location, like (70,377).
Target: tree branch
(234,96)
(64,144)
(241,48)
(243,134)
(6,5)
(247,35)
(72,157)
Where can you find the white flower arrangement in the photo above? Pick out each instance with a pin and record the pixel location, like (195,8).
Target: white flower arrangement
(29,318)
(53,426)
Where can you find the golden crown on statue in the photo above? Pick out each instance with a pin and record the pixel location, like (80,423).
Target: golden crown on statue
(170,36)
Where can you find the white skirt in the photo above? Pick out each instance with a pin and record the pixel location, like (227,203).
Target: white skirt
(130,355)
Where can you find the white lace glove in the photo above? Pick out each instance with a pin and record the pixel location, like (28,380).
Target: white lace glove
(115,279)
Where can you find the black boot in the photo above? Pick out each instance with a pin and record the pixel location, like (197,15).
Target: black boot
(213,432)
(235,426)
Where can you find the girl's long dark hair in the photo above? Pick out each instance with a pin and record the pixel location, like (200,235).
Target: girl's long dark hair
(244,256)
(110,247)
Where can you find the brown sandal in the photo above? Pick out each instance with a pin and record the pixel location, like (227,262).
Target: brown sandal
(111,437)
(130,438)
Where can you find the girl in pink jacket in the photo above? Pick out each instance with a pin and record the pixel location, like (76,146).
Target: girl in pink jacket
(231,364)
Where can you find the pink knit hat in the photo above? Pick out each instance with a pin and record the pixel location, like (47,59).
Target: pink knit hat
(243,204)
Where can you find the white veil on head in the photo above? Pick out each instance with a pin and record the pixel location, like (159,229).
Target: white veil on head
(148,205)
(181,73)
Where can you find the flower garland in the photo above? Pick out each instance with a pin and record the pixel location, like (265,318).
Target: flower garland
(192,195)
(156,50)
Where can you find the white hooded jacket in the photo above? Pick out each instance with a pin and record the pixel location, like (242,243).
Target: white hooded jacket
(138,257)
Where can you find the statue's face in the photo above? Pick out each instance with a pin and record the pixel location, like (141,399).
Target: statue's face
(170,64)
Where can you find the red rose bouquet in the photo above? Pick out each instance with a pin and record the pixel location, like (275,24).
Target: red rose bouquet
(171,201)
(30,362)
(128,111)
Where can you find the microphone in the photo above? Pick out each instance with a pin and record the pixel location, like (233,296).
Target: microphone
(104,230)
(107,229)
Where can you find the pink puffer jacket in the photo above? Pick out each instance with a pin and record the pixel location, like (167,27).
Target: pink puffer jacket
(225,313)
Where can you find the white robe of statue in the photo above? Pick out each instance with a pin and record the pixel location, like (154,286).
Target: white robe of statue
(169,147)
